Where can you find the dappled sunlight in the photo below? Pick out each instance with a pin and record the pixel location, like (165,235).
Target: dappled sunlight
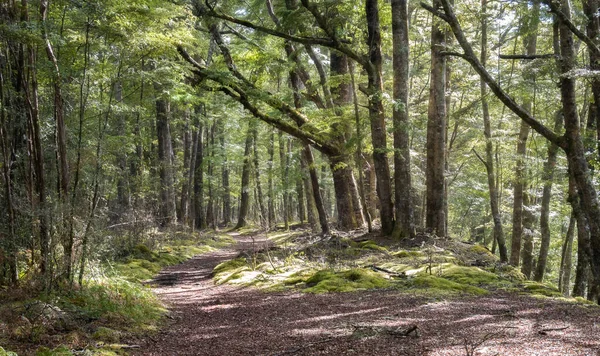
(340,315)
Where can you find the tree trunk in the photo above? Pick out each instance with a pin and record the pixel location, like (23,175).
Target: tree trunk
(199,209)
(163,131)
(245,188)
(564,276)
(311,206)
(184,196)
(576,152)
(377,118)
(531,27)
(284,179)
(259,193)
(224,174)
(548,178)
(528,234)
(435,221)
(123,198)
(61,142)
(498,232)
(210,209)
(590,8)
(270,194)
(404,226)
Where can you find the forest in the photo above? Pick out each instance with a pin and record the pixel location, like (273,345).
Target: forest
(138,134)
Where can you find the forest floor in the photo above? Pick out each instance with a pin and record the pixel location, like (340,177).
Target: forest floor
(210,319)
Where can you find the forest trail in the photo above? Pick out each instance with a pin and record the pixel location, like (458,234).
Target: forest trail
(209,319)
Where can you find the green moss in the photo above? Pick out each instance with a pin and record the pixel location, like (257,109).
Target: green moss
(346,281)
(471,276)
(4,352)
(541,289)
(511,273)
(230,265)
(371,245)
(442,286)
(480,249)
(408,254)
(106,335)
(59,351)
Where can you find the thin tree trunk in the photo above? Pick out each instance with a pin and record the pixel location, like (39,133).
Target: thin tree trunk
(359,153)
(270,194)
(245,188)
(548,178)
(225,175)
(531,26)
(311,206)
(199,209)
(61,141)
(167,200)
(498,232)
(188,142)
(564,276)
(259,193)
(284,180)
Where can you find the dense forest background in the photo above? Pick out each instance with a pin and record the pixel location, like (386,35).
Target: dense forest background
(476,120)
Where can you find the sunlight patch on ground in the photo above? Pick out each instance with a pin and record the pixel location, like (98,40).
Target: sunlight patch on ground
(340,315)
(219,307)
(319,332)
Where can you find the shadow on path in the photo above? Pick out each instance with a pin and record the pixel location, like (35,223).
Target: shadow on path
(209,319)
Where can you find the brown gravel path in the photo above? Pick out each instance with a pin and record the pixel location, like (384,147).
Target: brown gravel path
(228,320)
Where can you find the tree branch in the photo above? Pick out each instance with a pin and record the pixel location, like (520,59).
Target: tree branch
(240,92)
(555,9)
(470,57)
(526,56)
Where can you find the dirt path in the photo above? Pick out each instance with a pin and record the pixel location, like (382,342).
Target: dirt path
(227,320)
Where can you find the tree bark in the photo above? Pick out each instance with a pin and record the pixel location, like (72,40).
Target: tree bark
(377,117)
(435,221)
(224,174)
(548,178)
(270,194)
(259,197)
(520,184)
(199,209)
(564,276)
(167,196)
(245,188)
(404,226)
(498,231)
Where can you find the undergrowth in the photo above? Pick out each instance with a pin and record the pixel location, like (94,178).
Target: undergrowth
(436,268)
(113,304)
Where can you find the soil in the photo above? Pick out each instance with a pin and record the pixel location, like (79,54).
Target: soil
(209,319)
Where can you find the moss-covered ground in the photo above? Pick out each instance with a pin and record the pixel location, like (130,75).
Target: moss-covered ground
(113,304)
(436,268)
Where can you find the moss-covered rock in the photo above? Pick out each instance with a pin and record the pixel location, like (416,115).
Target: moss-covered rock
(371,245)
(408,254)
(106,335)
(542,289)
(346,281)
(472,276)
(442,286)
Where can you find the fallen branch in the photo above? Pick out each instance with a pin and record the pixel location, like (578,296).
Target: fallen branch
(545,331)
(391,273)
